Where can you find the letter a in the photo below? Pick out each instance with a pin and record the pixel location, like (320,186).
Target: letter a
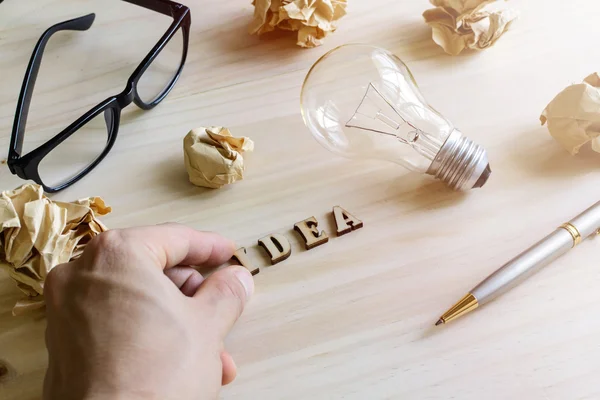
(345,221)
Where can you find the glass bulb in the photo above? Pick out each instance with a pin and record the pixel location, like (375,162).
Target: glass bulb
(361,101)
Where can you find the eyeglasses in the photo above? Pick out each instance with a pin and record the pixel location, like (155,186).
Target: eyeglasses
(73,153)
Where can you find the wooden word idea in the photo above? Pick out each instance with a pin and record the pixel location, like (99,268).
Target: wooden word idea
(278,247)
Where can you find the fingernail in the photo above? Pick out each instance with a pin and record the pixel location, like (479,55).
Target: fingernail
(246,279)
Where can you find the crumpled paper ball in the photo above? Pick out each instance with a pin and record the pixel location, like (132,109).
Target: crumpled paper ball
(37,234)
(573,116)
(313,19)
(472,24)
(213,156)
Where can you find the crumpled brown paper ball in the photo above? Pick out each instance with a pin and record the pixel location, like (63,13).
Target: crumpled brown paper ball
(37,234)
(573,116)
(313,19)
(213,156)
(473,24)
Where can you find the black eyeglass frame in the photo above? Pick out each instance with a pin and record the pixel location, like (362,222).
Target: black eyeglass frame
(26,166)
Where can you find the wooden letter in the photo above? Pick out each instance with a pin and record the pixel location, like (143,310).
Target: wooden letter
(241,256)
(277,246)
(310,233)
(345,221)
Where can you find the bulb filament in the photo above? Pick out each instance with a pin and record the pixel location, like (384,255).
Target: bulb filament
(373,115)
(387,120)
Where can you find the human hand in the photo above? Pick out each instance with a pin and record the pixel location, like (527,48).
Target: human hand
(130,319)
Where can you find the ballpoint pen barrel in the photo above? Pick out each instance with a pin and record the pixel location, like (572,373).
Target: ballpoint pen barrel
(539,255)
(524,265)
(512,273)
(588,222)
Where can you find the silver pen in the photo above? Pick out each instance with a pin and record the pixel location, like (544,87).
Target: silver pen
(563,239)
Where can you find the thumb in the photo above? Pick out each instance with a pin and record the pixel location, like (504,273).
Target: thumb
(223,296)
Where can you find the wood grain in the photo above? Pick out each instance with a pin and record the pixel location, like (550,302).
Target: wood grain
(351,319)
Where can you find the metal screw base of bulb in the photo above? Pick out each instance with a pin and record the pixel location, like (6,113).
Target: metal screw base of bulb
(461,163)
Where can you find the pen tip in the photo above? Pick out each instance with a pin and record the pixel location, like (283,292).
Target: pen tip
(440,321)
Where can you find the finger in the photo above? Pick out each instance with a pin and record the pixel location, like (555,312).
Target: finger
(54,284)
(229,368)
(169,245)
(223,296)
(187,279)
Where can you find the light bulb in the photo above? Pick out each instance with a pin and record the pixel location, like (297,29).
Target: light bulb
(361,101)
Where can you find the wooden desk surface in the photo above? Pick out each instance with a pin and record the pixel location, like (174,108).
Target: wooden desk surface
(353,318)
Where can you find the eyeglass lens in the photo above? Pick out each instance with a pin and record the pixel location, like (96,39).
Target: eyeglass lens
(77,152)
(163,69)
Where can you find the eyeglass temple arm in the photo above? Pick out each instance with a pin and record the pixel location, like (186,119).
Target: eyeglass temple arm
(165,7)
(78,24)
